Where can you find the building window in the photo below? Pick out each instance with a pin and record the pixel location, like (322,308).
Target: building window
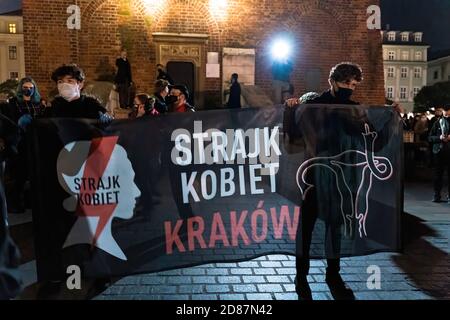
(417,72)
(391,55)
(405,55)
(403,93)
(14,75)
(391,71)
(418,56)
(12,53)
(390,92)
(405,37)
(404,72)
(416,91)
(436,75)
(391,36)
(418,37)
(12,27)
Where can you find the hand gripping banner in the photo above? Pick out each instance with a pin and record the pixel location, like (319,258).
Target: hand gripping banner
(187,189)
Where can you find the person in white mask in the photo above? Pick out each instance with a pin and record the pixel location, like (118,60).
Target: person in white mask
(71,103)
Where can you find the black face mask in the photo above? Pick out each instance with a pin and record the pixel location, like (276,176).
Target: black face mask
(28,92)
(343,94)
(171,99)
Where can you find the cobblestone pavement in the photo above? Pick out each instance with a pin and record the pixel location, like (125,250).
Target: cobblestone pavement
(421,271)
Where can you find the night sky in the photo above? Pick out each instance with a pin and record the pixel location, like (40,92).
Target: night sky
(430,16)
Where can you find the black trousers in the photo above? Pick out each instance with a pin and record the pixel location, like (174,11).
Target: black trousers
(332,237)
(10,282)
(124,94)
(441,163)
(16,172)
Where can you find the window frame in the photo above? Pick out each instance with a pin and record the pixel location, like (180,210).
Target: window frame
(390,92)
(419,56)
(405,54)
(391,72)
(419,74)
(14,78)
(12,27)
(405,92)
(12,52)
(404,75)
(391,55)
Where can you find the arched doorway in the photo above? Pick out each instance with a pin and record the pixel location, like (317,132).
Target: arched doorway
(183,73)
(184,57)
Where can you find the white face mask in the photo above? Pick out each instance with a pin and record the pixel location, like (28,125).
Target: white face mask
(69,91)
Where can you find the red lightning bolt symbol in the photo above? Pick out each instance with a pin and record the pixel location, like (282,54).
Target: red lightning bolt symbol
(99,155)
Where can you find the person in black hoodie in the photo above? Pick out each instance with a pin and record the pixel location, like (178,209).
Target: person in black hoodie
(71,103)
(344,79)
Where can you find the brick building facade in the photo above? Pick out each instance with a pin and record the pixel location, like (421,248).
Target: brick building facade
(324,32)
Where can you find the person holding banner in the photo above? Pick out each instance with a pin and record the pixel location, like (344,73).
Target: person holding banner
(71,103)
(344,78)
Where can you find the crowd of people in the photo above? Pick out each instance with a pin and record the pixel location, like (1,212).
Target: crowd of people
(27,105)
(433,134)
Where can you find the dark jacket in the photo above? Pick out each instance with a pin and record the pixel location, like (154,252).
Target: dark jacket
(10,281)
(9,132)
(160,103)
(435,137)
(234,101)
(17,109)
(162,75)
(327,98)
(84,107)
(123,71)
(290,122)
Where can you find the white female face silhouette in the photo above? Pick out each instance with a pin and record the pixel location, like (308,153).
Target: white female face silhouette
(100,178)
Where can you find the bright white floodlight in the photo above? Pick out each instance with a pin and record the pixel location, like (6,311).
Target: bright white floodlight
(281,49)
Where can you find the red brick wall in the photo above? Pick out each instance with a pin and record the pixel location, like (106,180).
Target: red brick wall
(325,32)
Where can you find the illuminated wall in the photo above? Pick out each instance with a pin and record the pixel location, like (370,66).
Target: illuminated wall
(324,32)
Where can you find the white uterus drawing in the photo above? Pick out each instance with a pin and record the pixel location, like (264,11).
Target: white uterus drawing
(372,167)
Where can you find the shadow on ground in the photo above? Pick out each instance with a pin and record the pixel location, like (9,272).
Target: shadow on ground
(426,265)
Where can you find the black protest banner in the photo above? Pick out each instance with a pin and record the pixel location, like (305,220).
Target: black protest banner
(186,189)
